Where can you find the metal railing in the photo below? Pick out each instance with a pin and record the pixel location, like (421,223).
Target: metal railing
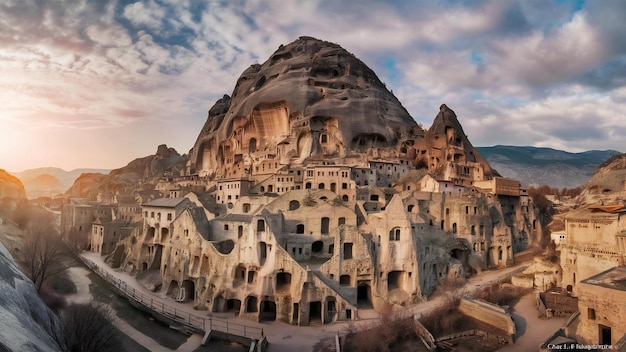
(171,312)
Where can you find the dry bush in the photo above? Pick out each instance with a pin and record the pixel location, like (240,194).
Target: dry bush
(88,328)
(445,318)
(43,253)
(391,331)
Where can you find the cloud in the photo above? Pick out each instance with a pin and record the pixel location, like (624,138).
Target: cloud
(515,72)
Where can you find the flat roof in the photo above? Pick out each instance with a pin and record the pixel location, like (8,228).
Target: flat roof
(164,202)
(614,278)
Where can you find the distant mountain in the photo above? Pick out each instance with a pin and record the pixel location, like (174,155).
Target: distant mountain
(50,181)
(545,166)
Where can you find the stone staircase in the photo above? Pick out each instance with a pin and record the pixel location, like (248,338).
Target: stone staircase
(346,292)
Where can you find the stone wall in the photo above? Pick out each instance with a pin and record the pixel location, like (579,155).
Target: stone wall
(600,307)
(489,313)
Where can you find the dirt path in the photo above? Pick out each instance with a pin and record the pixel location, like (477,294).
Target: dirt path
(79,275)
(532,330)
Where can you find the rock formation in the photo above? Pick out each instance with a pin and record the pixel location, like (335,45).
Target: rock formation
(11,190)
(26,323)
(309,99)
(446,151)
(139,174)
(608,183)
(313,100)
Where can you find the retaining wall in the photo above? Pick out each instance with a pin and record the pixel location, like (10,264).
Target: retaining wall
(489,313)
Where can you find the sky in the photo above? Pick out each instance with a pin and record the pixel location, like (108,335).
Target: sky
(96,84)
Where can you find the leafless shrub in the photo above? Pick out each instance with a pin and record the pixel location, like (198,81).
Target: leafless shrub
(88,328)
(43,253)
(383,336)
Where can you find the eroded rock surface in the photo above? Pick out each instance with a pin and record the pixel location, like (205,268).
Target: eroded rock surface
(26,323)
(310,98)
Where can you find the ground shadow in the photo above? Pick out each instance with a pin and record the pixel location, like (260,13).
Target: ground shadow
(520,325)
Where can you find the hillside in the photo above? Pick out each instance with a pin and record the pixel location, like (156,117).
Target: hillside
(50,181)
(11,190)
(544,166)
(139,174)
(608,183)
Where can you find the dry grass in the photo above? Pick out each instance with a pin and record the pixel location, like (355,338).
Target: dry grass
(385,337)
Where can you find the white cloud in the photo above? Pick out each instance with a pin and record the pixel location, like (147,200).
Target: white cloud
(148,14)
(80,66)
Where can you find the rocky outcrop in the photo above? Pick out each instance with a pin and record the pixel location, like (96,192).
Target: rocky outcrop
(608,184)
(87,186)
(139,174)
(446,151)
(11,190)
(26,324)
(311,98)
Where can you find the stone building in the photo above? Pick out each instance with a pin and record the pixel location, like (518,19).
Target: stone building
(78,215)
(601,307)
(594,242)
(105,235)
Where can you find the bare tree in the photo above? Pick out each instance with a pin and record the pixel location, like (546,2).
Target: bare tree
(88,328)
(43,252)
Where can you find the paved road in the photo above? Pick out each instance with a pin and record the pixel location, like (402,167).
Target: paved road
(287,338)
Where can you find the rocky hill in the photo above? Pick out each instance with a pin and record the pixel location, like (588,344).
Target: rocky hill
(44,185)
(141,173)
(11,190)
(313,100)
(545,166)
(608,183)
(50,181)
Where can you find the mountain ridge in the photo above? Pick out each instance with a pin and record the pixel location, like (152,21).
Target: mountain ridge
(535,166)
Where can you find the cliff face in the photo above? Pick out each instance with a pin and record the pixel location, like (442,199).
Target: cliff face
(310,98)
(11,190)
(26,323)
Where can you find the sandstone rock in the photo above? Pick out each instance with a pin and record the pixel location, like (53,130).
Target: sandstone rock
(11,190)
(445,143)
(139,174)
(312,95)
(608,184)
